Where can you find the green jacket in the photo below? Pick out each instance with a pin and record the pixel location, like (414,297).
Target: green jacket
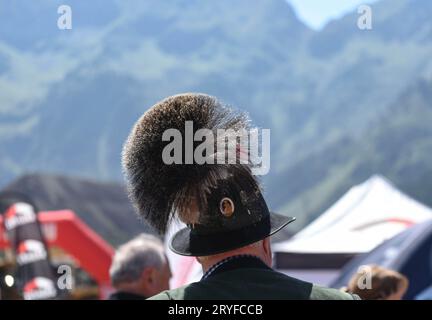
(252,284)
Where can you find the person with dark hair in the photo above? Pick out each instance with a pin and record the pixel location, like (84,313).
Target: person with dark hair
(373,282)
(220,200)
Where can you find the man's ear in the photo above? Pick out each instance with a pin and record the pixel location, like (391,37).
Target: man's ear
(267,250)
(266,245)
(148,275)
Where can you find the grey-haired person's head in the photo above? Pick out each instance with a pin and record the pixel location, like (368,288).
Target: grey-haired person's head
(140,266)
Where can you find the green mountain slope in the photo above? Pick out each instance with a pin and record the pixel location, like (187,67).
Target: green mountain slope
(398,144)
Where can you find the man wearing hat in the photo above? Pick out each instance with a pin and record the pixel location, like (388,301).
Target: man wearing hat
(228,222)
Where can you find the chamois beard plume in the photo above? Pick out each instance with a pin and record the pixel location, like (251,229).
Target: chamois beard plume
(161,192)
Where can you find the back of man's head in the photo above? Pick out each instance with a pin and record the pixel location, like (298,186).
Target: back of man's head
(140,266)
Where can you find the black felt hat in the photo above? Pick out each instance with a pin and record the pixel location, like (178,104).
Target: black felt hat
(237,215)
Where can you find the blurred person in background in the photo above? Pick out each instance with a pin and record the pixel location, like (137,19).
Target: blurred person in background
(139,269)
(373,282)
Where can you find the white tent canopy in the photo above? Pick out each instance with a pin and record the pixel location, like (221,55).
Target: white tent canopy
(363,218)
(366,216)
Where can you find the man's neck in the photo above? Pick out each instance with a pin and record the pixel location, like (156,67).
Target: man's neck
(209,262)
(236,262)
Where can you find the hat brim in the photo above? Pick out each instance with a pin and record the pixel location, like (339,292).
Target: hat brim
(187,244)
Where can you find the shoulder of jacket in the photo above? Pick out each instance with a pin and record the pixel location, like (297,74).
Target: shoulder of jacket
(323,293)
(173,294)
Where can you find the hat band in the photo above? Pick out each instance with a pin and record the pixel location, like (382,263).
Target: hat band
(201,244)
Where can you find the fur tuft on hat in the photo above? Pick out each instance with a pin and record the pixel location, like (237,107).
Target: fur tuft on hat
(162,191)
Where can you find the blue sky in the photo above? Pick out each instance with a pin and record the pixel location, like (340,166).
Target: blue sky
(316,13)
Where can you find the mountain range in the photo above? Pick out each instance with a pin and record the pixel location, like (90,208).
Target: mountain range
(342,103)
